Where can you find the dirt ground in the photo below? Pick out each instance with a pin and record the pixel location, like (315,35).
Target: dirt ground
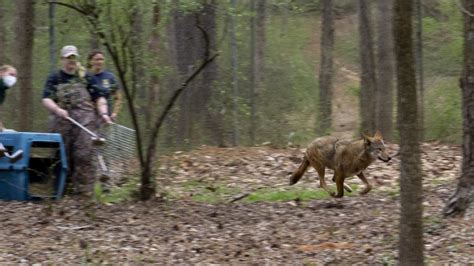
(352,230)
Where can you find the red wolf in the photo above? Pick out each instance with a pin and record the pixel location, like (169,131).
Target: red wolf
(347,158)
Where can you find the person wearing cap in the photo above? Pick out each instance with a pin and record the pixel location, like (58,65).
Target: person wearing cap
(106,80)
(72,93)
(7,80)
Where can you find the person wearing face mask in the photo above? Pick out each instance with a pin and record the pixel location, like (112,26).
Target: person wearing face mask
(70,92)
(7,80)
(106,80)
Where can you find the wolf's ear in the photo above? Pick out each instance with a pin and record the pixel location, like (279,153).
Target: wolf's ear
(378,135)
(367,139)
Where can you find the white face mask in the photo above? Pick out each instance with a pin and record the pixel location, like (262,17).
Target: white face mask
(9,80)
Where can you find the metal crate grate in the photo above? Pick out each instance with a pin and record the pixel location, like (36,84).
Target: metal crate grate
(117,157)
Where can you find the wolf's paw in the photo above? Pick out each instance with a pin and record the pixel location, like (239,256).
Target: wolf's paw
(347,188)
(365,191)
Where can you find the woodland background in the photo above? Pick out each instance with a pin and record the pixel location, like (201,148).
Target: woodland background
(262,87)
(225,149)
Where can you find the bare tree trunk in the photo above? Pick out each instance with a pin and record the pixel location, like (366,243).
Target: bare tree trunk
(183,29)
(25,18)
(3,33)
(154,86)
(411,195)
(213,119)
(52,37)
(462,198)
(368,80)
(7,57)
(385,70)
(137,60)
(257,47)
(419,65)
(284,23)
(326,70)
(235,85)
(94,41)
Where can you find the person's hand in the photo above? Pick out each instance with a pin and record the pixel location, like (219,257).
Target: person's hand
(61,113)
(107,118)
(113,116)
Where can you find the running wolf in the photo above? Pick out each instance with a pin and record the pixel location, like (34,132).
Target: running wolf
(347,158)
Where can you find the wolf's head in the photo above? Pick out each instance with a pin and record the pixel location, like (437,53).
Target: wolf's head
(375,147)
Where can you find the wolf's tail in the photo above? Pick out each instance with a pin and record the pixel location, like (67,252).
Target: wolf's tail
(296,176)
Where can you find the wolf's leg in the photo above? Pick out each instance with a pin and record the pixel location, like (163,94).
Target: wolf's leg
(346,186)
(339,184)
(321,169)
(368,187)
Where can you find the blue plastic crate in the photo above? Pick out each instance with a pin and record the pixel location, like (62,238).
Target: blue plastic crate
(44,158)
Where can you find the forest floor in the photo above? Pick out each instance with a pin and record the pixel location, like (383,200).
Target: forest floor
(180,227)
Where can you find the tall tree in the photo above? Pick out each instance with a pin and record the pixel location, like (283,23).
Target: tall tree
(462,198)
(385,69)
(154,47)
(3,33)
(411,194)
(257,47)
(184,23)
(326,69)
(368,82)
(94,41)
(213,124)
(191,48)
(136,54)
(235,78)
(52,37)
(418,17)
(285,6)
(25,30)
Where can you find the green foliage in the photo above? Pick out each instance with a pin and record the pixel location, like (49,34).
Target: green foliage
(346,47)
(443,40)
(443,118)
(354,90)
(117,194)
(210,192)
(288,195)
(291,83)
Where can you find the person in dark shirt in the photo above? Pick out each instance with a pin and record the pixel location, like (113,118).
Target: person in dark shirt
(7,79)
(106,80)
(70,92)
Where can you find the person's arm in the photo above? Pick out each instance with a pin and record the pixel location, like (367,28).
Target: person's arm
(54,108)
(118,101)
(48,93)
(103,109)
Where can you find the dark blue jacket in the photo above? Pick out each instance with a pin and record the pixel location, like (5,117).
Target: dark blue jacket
(61,77)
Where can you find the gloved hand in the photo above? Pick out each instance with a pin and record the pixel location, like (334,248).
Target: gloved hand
(107,119)
(61,113)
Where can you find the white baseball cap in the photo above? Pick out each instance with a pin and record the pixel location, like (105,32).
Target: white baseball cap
(69,50)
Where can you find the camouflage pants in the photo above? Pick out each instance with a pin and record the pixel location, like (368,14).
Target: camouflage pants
(79,149)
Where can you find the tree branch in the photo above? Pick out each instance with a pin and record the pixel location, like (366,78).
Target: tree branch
(82,11)
(161,118)
(463,10)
